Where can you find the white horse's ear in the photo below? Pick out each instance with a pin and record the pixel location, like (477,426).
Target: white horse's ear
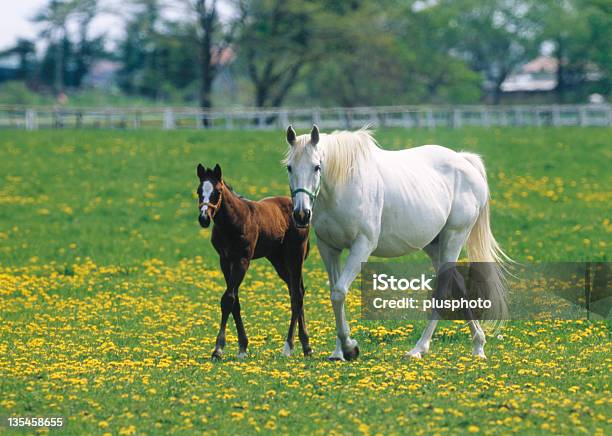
(291,135)
(314,135)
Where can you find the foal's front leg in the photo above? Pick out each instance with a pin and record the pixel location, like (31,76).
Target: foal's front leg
(234,272)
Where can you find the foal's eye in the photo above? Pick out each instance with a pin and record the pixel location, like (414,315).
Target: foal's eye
(317,168)
(289,168)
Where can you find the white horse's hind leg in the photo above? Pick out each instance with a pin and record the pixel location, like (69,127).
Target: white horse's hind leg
(478,339)
(447,249)
(422,345)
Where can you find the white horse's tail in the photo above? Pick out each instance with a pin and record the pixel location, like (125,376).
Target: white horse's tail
(482,247)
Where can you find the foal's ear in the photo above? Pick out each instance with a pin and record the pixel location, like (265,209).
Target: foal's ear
(201,171)
(314,135)
(217,172)
(291,135)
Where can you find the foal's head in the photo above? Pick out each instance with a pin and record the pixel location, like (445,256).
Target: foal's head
(210,193)
(304,168)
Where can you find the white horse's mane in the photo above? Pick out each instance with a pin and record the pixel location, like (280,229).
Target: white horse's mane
(343,151)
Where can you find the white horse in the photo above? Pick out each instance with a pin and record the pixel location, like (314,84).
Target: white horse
(390,203)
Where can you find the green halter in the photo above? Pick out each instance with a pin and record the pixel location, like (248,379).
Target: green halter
(311,195)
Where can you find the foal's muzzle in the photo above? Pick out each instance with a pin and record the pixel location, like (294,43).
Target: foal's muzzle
(301,217)
(204,220)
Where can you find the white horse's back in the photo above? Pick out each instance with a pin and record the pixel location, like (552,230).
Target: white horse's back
(421,188)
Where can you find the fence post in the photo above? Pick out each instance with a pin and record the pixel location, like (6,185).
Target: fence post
(484,117)
(136,120)
(456,118)
(30,120)
(582,116)
(168,119)
(503,117)
(556,118)
(406,120)
(348,118)
(284,119)
(431,120)
(316,117)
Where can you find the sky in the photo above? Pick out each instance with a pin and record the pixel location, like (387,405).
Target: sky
(15,16)
(14,20)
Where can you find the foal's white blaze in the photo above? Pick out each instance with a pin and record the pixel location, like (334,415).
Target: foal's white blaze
(207,189)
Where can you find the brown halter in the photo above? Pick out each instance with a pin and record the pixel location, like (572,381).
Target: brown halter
(214,206)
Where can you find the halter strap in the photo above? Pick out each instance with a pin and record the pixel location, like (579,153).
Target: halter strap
(214,206)
(311,195)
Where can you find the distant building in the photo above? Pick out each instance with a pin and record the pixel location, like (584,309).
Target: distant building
(536,81)
(539,75)
(102,74)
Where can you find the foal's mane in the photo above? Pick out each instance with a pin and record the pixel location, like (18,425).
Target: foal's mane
(343,151)
(228,186)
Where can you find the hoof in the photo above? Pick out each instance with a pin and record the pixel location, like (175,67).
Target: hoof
(287,350)
(217,355)
(242,355)
(335,359)
(415,353)
(351,355)
(480,355)
(307,352)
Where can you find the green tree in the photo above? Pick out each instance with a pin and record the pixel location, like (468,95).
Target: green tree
(26,52)
(493,37)
(390,53)
(138,50)
(581,31)
(277,40)
(87,49)
(54,18)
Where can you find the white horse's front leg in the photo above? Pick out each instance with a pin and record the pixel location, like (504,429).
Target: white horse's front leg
(346,348)
(331,259)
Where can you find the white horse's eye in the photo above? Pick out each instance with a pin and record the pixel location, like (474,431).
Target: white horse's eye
(289,168)
(317,168)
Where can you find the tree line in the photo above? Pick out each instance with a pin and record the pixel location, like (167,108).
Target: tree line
(323,52)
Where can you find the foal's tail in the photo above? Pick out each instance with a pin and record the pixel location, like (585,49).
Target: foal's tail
(482,247)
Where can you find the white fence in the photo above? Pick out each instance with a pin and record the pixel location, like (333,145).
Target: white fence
(32,118)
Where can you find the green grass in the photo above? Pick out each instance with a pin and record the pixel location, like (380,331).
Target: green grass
(109,294)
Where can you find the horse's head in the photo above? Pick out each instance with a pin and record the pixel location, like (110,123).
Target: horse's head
(304,168)
(210,192)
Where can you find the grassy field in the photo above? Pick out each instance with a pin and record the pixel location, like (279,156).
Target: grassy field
(109,295)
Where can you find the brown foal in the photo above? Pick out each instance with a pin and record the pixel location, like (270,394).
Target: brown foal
(244,230)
